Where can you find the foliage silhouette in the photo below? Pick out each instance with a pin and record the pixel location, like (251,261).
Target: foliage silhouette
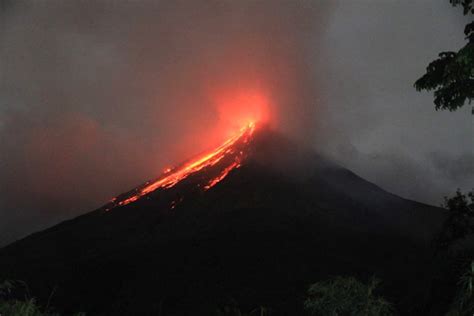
(463,304)
(346,296)
(460,221)
(11,305)
(451,76)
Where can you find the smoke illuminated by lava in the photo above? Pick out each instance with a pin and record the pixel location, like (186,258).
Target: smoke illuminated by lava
(231,148)
(103,81)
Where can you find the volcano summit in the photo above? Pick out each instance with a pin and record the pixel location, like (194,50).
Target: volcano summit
(254,221)
(224,158)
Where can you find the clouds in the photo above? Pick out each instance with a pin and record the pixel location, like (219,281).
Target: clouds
(385,130)
(98,97)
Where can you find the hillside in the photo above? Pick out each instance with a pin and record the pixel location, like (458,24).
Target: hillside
(285,218)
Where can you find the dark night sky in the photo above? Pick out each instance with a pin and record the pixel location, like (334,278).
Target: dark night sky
(96,98)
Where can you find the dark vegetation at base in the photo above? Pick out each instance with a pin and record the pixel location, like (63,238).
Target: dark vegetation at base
(347,296)
(16,300)
(336,296)
(261,237)
(452,265)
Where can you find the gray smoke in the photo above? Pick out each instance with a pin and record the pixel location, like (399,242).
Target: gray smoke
(390,133)
(96,97)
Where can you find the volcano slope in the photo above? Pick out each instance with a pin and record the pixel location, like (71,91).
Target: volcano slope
(283,220)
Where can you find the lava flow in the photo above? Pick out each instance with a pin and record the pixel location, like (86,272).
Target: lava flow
(230,148)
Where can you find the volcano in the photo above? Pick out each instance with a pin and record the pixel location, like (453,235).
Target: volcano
(254,222)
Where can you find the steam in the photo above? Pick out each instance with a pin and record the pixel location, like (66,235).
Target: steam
(98,97)
(382,128)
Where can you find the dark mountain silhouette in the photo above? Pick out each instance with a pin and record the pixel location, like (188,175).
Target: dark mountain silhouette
(283,220)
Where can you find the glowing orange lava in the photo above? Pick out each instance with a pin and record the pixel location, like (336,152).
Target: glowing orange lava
(222,175)
(171,176)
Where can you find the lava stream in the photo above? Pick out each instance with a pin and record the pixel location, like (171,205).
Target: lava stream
(172,176)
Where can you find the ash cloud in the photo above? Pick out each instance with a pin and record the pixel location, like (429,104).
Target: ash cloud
(381,127)
(96,97)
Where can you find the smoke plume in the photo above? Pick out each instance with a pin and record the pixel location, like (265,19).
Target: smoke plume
(97,97)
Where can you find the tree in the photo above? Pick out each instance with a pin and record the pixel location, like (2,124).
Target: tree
(463,304)
(451,76)
(460,221)
(346,296)
(11,305)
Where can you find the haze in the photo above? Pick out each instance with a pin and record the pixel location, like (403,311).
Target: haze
(96,98)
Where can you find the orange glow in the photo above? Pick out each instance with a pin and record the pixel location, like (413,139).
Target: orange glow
(172,176)
(237,109)
(222,175)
